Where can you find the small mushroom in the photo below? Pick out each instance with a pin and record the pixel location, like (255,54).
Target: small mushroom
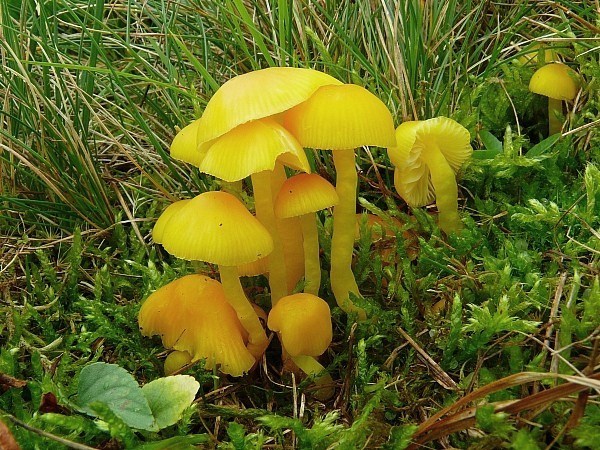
(217,228)
(427,158)
(302,196)
(191,314)
(303,324)
(342,118)
(558,82)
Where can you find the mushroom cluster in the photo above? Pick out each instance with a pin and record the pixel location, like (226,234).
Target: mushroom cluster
(255,129)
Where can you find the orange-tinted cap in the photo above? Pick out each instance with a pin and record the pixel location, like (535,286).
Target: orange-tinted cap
(304,324)
(191,314)
(303,194)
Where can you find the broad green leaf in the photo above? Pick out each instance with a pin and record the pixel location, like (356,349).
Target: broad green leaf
(168,398)
(542,147)
(117,389)
(491,142)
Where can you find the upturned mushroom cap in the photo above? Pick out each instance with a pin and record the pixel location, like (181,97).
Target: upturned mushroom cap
(412,175)
(216,227)
(304,324)
(253,147)
(303,194)
(184,146)
(256,95)
(341,117)
(168,213)
(191,314)
(556,81)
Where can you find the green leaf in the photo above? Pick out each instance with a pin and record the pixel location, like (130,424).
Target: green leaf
(542,147)
(491,142)
(117,389)
(168,398)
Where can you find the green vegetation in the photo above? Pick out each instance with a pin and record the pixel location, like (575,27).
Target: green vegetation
(486,338)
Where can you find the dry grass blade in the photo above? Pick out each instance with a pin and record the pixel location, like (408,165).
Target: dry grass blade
(436,427)
(440,376)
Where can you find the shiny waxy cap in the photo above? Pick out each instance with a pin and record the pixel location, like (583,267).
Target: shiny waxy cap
(303,194)
(341,117)
(253,147)
(256,95)
(192,315)
(184,146)
(159,226)
(556,81)
(303,322)
(216,227)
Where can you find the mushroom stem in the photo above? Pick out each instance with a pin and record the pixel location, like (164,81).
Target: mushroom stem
(257,338)
(263,201)
(554,113)
(290,232)
(312,264)
(344,226)
(311,367)
(446,190)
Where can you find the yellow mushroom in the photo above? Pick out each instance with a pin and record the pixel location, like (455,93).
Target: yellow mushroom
(342,118)
(302,196)
(303,324)
(258,94)
(558,82)
(217,228)
(427,158)
(255,149)
(192,315)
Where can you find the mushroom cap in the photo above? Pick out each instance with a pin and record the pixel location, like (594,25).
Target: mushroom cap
(341,117)
(184,146)
(304,324)
(303,194)
(217,228)
(258,94)
(251,148)
(191,314)
(556,81)
(168,213)
(412,177)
